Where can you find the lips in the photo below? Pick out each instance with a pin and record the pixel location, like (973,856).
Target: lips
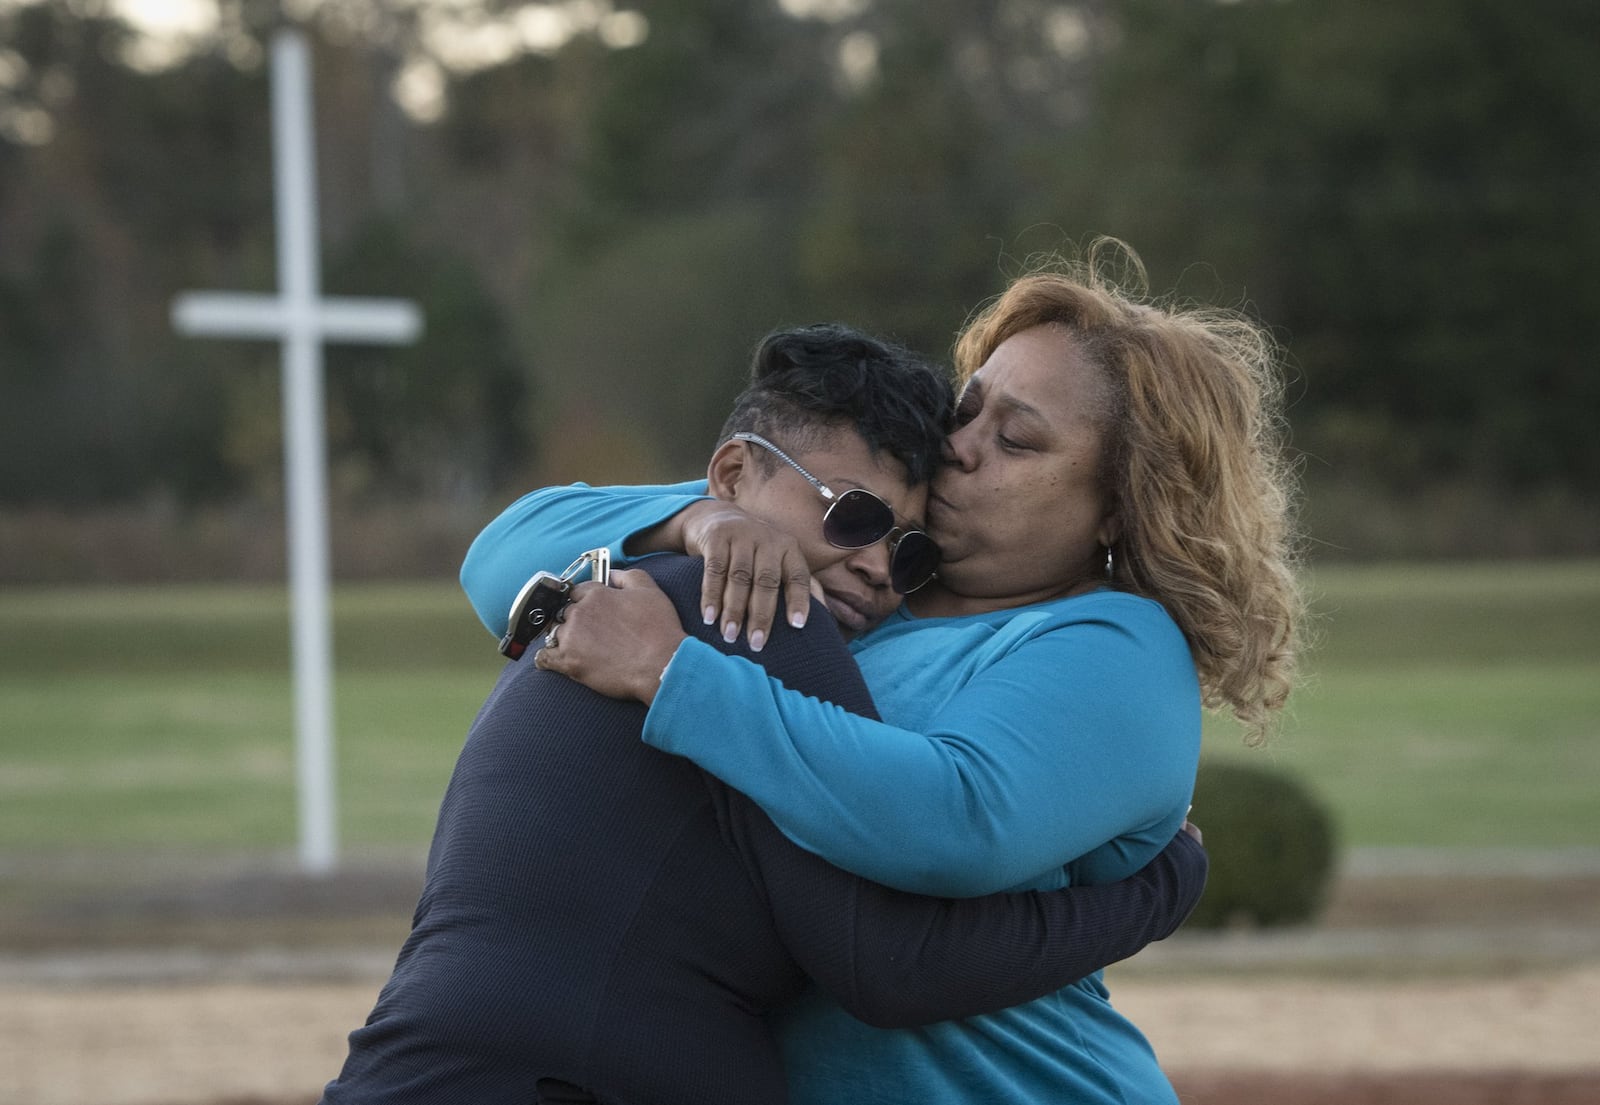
(849,611)
(942,515)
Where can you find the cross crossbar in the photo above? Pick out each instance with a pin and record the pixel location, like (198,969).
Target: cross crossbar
(334,319)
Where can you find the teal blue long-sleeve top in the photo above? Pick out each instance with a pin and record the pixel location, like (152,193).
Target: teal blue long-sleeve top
(1031,747)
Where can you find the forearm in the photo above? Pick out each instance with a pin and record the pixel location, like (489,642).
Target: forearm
(898,960)
(547,529)
(975,955)
(820,772)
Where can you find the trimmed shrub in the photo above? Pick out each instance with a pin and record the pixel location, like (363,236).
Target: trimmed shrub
(1272,847)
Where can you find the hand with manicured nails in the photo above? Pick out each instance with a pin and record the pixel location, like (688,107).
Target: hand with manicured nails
(752,569)
(618,639)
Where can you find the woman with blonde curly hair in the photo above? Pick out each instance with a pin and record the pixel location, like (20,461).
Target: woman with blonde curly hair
(1113,515)
(1187,412)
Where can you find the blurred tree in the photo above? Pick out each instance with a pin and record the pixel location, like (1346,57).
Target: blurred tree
(440,419)
(716,106)
(655,331)
(92,224)
(914,179)
(155,181)
(1403,190)
(600,234)
(496,172)
(675,236)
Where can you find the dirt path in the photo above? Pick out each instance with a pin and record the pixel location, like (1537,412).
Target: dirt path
(1540,1022)
(234,987)
(197,1044)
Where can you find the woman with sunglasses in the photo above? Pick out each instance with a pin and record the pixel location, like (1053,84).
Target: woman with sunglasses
(1113,522)
(890,555)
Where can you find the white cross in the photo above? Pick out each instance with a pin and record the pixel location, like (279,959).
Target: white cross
(302,321)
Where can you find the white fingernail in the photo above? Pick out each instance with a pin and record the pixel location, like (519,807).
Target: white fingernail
(730,633)
(757,639)
(709,614)
(797,620)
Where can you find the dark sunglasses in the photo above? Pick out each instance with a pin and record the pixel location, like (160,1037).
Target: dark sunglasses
(859,518)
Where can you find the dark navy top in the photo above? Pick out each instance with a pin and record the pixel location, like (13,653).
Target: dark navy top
(602,913)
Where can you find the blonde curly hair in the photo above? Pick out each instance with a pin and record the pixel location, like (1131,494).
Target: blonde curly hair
(1194,463)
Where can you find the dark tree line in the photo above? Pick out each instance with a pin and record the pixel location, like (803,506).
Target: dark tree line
(1404,192)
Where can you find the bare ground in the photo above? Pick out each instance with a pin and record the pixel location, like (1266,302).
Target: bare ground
(237,988)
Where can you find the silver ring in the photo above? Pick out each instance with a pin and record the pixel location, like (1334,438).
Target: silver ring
(550,637)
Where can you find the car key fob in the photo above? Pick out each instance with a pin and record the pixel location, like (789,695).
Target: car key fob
(542,597)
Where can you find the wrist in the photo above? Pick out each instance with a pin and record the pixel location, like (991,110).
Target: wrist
(705,525)
(663,537)
(692,522)
(653,670)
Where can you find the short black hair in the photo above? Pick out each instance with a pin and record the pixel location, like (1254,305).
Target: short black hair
(809,381)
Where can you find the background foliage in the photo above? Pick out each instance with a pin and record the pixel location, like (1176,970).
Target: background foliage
(1273,847)
(599,231)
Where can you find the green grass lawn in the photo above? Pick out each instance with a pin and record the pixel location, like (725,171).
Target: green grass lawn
(1445,705)
(151,717)
(1453,705)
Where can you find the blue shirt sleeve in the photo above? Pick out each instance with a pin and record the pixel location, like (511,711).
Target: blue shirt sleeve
(546,530)
(1082,739)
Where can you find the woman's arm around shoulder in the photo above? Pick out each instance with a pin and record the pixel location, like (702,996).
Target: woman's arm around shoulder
(1072,733)
(898,960)
(546,530)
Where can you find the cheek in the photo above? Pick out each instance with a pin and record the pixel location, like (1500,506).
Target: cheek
(1053,510)
(821,556)
(885,603)
(1028,498)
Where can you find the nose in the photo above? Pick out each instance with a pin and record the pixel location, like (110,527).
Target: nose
(872,563)
(960,448)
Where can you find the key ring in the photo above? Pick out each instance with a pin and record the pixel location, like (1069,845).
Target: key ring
(599,561)
(600,565)
(600,571)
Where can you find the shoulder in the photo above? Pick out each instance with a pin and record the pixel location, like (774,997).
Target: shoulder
(1116,611)
(679,578)
(1096,622)
(1109,636)
(813,660)
(674,573)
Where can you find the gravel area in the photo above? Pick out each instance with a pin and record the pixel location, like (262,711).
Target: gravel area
(195,1044)
(238,988)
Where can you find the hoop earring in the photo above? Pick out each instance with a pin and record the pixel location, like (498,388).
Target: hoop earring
(1111,565)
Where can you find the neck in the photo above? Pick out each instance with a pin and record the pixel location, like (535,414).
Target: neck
(939,600)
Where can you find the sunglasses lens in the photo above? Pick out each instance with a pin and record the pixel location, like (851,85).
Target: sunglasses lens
(857,519)
(916,558)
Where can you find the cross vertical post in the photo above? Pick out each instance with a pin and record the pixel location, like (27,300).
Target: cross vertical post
(301,321)
(305,462)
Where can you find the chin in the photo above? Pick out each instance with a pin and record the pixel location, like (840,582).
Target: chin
(850,621)
(946,537)
(956,576)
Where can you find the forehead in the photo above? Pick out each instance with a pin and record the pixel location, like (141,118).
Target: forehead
(1042,373)
(842,459)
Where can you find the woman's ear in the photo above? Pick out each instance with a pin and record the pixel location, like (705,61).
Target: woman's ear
(1110,531)
(728,469)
